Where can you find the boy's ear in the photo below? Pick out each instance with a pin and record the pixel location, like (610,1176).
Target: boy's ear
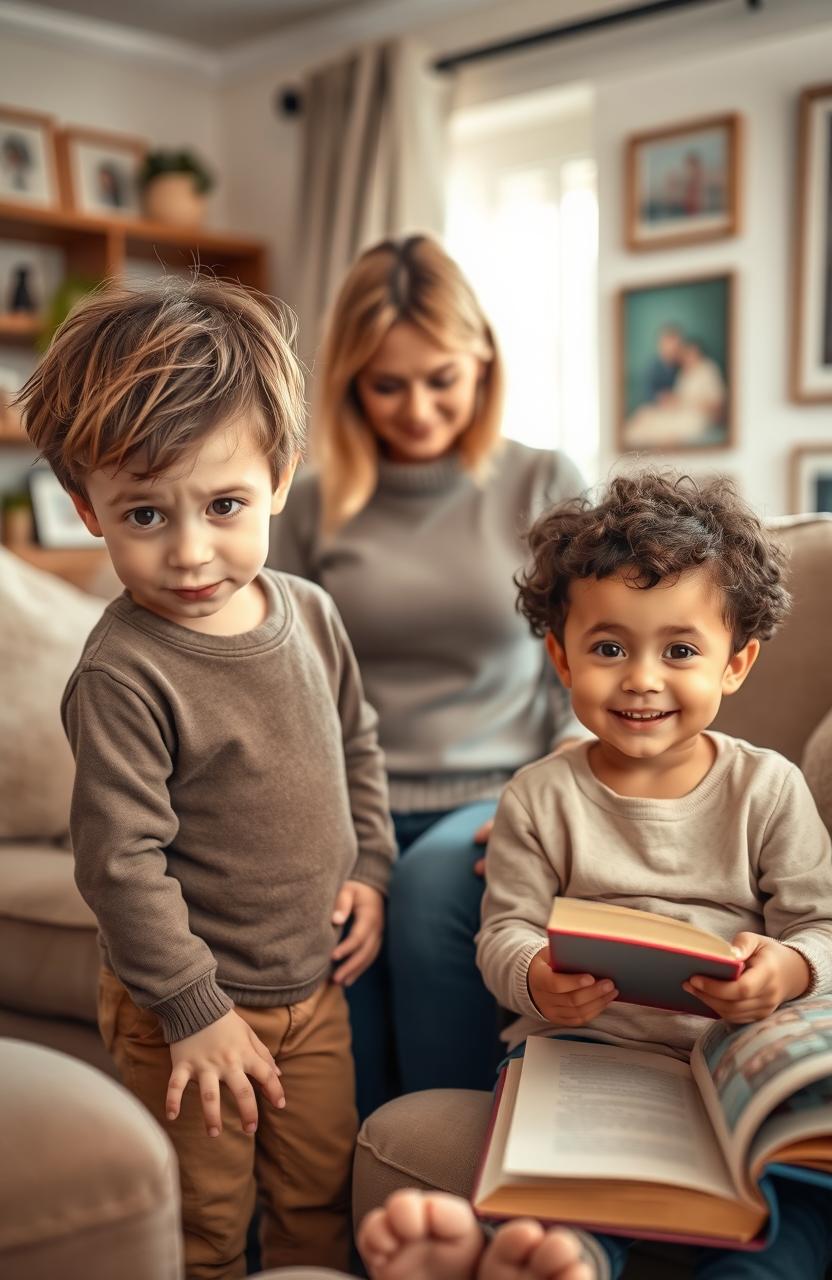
(86,513)
(284,484)
(739,666)
(558,659)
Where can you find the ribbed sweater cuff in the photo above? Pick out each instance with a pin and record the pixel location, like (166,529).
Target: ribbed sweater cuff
(523,1002)
(373,869)
(200,1004)
(818,955)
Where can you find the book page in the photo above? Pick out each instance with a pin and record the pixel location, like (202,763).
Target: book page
(744,1072)
(596,1111)
(804,1115)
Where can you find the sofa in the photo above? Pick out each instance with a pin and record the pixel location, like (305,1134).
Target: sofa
(88,1180)
(48,952)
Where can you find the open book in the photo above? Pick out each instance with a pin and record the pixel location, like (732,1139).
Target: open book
(636,1143)
(647,956)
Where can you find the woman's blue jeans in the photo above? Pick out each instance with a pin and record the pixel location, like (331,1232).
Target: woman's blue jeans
(421,1015)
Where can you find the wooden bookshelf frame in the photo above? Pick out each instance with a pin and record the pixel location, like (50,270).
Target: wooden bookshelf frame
(100,247)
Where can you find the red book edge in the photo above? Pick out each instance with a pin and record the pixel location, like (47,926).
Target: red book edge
(752,1246)
(739,965)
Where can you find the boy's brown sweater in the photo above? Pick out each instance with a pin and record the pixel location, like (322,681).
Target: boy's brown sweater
(226,787)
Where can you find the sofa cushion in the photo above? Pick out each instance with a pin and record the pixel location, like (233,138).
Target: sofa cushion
(47,935)
(790,688)
(817,766)
(89,1182)
(43,625)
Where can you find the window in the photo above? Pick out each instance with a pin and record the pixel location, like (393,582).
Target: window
(523,224)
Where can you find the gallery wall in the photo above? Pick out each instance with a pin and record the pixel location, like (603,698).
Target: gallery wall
(761,81)
(719,59)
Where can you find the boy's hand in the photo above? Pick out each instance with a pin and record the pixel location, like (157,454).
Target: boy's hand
(362,943)
(773,974)
(567,999)
(226,1052)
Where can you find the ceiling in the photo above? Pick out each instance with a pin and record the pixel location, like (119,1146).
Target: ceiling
(207,24)
(216,26)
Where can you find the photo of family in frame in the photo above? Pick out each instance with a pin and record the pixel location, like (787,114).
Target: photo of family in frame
(676,375)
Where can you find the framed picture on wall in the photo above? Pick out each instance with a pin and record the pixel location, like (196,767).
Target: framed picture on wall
(101,170)
(811,366)
(676,364)
(683,183)
(57,523)
(811,478)
(28,168)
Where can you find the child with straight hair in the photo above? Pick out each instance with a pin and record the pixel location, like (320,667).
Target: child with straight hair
(653,603)
(230,805)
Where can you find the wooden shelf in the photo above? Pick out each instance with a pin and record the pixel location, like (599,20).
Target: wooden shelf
(83,567)
(14,435)
(19,327)
(101,246)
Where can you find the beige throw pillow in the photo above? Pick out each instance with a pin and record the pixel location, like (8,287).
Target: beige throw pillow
(817,766)
(43,625)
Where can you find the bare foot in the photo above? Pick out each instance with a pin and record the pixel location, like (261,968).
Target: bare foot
(422,1236)
(524,1250)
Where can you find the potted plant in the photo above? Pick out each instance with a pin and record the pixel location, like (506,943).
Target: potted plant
(174,185)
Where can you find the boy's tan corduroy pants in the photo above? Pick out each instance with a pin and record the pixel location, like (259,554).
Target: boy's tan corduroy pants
(297,1163)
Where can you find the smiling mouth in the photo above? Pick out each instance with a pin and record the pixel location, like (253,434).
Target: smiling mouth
(639,717)
(196,593)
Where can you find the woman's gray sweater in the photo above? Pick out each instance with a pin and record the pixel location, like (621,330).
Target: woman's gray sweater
(423,579)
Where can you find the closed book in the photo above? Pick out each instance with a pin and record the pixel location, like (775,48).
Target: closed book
(647,956)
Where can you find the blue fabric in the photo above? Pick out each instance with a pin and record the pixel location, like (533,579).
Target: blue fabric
(800,1250)
(421,1015)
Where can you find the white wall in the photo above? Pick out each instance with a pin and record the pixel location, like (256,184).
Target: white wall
(102,89)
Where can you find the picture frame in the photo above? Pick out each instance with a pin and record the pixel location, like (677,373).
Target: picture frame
(676,347)
(682,183)
(57,523)
(100,171)
(28,159)
(811,354)
(810,476)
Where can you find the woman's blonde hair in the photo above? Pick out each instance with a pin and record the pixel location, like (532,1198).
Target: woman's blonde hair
(414,281)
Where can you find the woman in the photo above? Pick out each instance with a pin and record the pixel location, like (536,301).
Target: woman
(413,521)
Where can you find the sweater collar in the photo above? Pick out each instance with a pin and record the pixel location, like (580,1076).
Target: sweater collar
(419,477)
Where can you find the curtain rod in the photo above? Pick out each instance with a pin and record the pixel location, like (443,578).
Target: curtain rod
(289,101)
(550,35)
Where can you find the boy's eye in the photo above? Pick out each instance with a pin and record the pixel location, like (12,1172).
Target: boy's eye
(680,652)
(225,506)
(609,649)
(144,517)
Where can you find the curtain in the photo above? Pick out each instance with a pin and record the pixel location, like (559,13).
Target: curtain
(372,166)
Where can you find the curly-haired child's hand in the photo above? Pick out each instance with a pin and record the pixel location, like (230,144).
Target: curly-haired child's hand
(359,948)
(773,974)
(567,999)
(225,1052)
